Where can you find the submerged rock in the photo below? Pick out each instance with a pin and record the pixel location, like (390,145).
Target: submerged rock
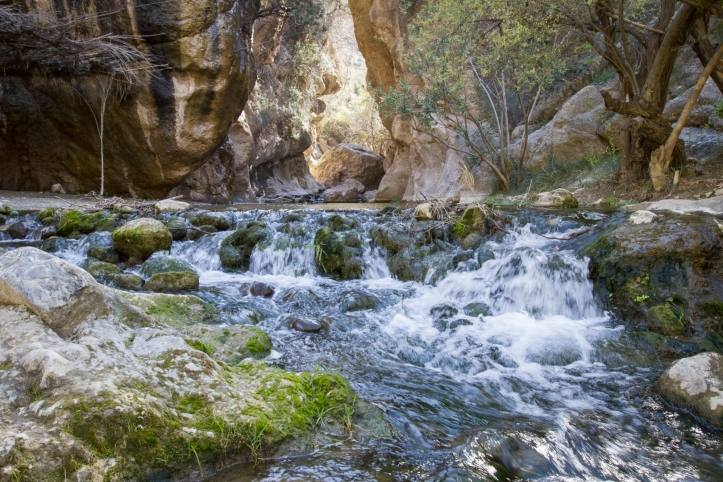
(236,249)
(696,383)
(167,274)
(263,290)
(140,238)
(303,324)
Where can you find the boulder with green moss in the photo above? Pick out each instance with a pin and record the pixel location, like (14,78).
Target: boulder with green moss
(236,249)
(232,343)
(168,274)
(126,396)
(662,274)
(338,253)
(137,240)
(219,221)
(75,223)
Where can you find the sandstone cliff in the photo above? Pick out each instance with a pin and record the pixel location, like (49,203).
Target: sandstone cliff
(159,131)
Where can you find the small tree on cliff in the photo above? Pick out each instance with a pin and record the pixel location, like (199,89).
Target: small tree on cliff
(481,67)
(641,40)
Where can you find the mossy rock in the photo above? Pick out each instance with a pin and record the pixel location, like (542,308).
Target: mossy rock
(171,309)
(172,282)
(101,270)
(207,218)
(75,223)
(236,249)
(472,220)
(231,344)
(126,281)
(178,228)
(338,255)
(667,319)
(140,238)
(5,209)
(165,264)
(47,215)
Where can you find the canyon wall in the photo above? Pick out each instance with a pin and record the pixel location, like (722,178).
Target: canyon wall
(418,164)
(157,132)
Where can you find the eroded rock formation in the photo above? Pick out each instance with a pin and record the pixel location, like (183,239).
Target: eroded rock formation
(159,131)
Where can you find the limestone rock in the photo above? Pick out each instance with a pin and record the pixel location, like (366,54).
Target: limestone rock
(571,135)
(696,383)
(162,130)
(348,191)
(349,161)
(139,239)
(171,206)
(61,294)
(642,217)
(559,198)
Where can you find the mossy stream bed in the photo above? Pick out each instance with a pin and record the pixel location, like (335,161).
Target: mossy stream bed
(399,351)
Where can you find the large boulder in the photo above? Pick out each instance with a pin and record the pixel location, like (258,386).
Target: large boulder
(349,161)
(705,108)
(61,294)
(137,240)
(696,383)
(572,135)
(663,274)
(163,128)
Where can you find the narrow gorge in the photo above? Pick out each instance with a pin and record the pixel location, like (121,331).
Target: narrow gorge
(392,240)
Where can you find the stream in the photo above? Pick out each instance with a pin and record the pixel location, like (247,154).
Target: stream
(503,368)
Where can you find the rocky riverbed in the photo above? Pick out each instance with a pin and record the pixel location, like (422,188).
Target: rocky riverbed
(170,342)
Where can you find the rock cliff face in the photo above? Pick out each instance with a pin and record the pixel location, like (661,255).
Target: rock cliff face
(157,133)
(417,165)
(265,152)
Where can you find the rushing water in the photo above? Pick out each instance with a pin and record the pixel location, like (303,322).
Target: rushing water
(540,386)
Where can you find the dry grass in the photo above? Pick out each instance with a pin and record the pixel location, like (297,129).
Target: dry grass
(38,44)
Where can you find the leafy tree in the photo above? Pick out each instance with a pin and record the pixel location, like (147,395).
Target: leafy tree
(481,67)
(641,40)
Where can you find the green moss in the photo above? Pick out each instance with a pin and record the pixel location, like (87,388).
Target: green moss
(176,310)
(714,309)
(192,404)
(200,346)
(74,222)
(338,254)
(601,247)
(6,365)
(258,343)
(668,319)
(236,249)
(47,215)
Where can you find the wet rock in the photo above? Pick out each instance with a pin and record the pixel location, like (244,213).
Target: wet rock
(338,254)
(358,301)
(171,206)
(100,247)
(126,281)
(696,383)
(178,228)
(263,290)
(197,232)
(17,230)
(477,309)
(299,299)
(236,249)
(169,275)
(453,325)
(349,161)
(206,218)
(305,325)
(658,276)
(559,198)
(347,192)
(101,270)
(471,241)
(234,343)
(443,311)
(140,238)
(5,209)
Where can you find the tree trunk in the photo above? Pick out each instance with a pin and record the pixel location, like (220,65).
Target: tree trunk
(640,137)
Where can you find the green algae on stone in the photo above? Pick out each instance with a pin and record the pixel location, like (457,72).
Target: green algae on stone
(668,319)
(338,254)
(140,238)
(236,249)
(74,223)
(174,310)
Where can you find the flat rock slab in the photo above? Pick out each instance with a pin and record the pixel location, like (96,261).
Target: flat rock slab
(712,205)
